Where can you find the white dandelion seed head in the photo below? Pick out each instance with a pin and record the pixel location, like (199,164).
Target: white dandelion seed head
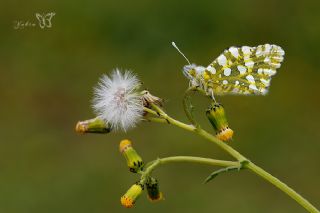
(117,101)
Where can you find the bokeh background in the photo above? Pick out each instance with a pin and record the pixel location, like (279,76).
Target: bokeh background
(46,82)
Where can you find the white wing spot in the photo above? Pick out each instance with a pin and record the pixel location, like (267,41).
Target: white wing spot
(246,50)
(236,83)
(259,51)
(222,60)
(263,91)
(278,58)
(276,65)
(227,71)
(265,82)
(249,64)
(211,69)
(253,87)
(225,82)
(267,48)
(266,60)
(269,72)
(250,78)
(241,69)
(199,69)
(234,51)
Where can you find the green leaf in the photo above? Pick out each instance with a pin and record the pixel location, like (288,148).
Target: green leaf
(219,171)
(226,169)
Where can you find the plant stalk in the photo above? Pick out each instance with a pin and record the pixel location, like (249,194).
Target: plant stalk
(186,159)
(254,168)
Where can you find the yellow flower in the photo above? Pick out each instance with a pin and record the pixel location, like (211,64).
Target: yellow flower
(130,197)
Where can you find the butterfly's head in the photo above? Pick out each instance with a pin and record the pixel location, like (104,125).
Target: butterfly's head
(192,70)
(189,71)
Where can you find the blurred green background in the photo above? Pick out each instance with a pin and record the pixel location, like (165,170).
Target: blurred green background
(46,82)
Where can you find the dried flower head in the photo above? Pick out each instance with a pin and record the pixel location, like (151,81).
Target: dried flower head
(117,101)
(148,99)
(94,125)
(153,190)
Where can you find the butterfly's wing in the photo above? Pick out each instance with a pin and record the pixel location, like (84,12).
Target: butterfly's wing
(48,18)
(41,20)
(244,70)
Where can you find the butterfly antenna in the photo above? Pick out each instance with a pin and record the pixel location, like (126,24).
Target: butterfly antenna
(175,46)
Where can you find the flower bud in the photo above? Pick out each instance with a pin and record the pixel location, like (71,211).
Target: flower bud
(218,120)
(130,197)
(95,125)
(134,161)
(154,193)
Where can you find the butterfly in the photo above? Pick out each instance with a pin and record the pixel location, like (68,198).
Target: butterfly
(238,70)
(45,20)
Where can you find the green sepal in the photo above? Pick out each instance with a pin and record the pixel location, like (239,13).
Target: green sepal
(95,125)
(134,161)
(217,117)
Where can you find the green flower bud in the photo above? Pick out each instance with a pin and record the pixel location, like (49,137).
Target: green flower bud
(134,161)
(218,120)
(154,193)
(130,197)
(95,125)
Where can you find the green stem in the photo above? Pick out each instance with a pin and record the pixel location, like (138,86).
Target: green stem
(202,133)
(283,187)
(187,106)
(254,168)
(158,120)
(185,159)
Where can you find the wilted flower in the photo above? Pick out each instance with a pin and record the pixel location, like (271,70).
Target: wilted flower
(95,125)
(148,98)
(153,190)
(117,100)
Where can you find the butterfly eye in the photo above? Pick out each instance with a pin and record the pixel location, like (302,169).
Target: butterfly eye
(189,71)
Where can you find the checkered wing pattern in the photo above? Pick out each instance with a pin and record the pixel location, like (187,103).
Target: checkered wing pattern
(243,70)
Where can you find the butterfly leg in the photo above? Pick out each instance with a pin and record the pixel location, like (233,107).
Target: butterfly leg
(212,96)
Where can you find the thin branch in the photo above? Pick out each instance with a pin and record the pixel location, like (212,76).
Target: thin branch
(185,159)
(250,165)
(187,106)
